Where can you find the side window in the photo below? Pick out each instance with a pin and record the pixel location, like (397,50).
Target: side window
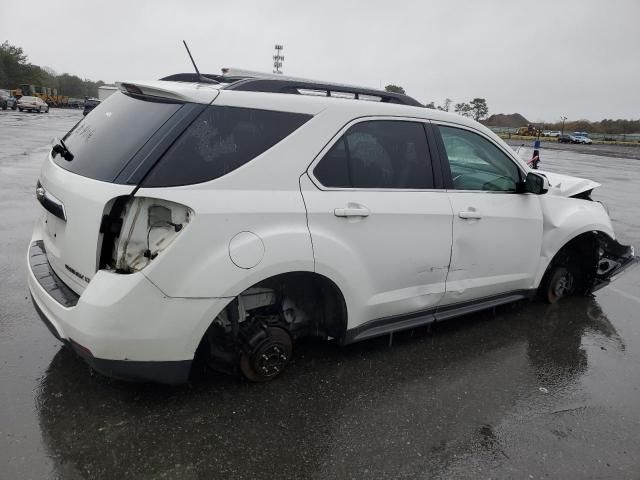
(378,154)
(476,163)
(220,140)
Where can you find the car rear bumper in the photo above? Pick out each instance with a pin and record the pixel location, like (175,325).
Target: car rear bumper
(167,372)
(121,325)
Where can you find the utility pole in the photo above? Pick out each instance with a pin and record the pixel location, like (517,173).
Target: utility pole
(278,59)
(563,119)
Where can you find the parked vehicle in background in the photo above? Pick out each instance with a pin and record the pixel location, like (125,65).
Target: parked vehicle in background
(90,104)
(32,104)
(581,137)
(232,219)
(551,133)
(46,94)
(12,103)
(564,139)
(4,99)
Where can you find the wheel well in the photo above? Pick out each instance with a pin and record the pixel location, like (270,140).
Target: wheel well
(580,255)
(305,304)
(314,295)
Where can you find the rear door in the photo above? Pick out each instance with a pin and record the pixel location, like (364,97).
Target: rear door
(106,147)
(379,226)
(497,232)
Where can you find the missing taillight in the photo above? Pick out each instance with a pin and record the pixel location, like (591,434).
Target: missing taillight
(147,226)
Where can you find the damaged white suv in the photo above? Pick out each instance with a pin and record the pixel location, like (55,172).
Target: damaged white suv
(229,219)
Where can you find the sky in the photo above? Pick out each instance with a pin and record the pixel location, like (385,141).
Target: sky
(543,59)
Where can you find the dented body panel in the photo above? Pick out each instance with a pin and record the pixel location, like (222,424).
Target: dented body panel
(568,186)
(564,219)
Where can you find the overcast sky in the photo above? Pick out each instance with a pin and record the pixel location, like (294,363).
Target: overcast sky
(540,58)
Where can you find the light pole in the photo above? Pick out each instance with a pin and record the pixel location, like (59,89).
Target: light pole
(562,130)
(278,59)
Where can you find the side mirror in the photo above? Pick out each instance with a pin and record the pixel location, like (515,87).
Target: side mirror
(536,183)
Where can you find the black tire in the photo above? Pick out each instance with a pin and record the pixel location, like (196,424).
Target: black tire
(270,358)
(559,283)
(20,109)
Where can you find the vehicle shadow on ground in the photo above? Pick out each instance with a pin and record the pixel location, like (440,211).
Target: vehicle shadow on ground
(336,412)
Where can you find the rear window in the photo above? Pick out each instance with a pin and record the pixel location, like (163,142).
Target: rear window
(219,141)
(104,141)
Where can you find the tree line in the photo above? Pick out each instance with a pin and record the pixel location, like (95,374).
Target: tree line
(476,108)
(16,70)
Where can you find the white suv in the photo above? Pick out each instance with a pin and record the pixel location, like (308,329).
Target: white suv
(228,220)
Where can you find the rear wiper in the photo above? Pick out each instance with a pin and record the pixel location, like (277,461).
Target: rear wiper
(61,148)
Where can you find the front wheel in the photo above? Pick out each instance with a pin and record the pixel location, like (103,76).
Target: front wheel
(269,358)
(559,284)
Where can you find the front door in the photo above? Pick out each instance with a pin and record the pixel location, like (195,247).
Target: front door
(497,232)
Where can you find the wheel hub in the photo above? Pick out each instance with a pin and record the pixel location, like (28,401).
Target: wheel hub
(271,360)
(563,286)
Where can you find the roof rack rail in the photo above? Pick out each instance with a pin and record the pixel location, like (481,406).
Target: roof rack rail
(203,78)
(294,86)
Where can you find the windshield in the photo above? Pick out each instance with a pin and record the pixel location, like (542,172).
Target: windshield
(104,141)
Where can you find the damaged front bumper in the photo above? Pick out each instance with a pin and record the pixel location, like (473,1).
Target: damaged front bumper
(615,259)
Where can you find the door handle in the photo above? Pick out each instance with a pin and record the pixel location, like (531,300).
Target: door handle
(470,215)
(352,212)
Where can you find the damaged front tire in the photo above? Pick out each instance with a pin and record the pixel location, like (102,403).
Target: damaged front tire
(559,284)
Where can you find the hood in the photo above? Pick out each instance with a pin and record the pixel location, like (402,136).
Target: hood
(568,186)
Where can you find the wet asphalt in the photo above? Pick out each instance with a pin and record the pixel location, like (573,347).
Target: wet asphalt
(527,391)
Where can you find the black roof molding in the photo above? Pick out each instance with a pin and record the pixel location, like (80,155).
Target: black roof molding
(294,87)
(203,78)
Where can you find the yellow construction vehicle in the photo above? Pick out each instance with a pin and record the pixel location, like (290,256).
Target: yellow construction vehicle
(530,131)
(49,95)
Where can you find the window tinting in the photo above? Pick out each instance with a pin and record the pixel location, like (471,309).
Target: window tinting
(476,163)
(220,140)
(378,154)
(105,140)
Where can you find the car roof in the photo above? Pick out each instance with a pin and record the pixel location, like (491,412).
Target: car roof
(311,104)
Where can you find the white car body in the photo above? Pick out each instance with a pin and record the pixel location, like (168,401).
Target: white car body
(35,104)
(398,258)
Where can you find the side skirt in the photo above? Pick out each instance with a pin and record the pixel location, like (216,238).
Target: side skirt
(398,323)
